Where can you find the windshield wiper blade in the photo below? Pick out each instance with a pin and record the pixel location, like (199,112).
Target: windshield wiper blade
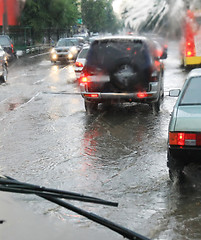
(127,233)
(8,184)
(5,181)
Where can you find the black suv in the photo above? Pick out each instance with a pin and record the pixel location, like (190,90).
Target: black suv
(122,69)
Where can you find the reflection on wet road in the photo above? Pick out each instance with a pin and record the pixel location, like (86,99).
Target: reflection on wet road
(118,154)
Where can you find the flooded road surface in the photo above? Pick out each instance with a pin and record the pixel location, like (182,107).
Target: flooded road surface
(118,154)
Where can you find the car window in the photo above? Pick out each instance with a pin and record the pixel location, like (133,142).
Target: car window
(65,42)
(4,41)
(83,53)
(110,53)
(192,93)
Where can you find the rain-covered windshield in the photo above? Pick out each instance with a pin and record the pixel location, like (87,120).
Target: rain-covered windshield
(192,95)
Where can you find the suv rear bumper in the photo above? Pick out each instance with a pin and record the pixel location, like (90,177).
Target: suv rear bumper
(145,96)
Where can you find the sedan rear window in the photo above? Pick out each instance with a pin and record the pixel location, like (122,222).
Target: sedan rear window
(192,93)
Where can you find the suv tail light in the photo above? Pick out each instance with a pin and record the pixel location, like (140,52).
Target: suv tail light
(142,94)
(84,78)
(91,95)
(184,139)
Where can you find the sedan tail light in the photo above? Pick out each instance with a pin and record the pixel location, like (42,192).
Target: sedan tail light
(184,139)
(79,64)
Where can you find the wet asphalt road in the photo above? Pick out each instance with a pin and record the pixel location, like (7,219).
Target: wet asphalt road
(118,154)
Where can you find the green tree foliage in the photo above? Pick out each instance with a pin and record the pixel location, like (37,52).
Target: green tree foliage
(98,16)
(40,14)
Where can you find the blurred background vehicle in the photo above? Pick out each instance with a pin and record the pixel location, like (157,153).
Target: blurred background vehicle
(80,61)
(7,46)
(66,50)
(191,39)
(3,65)
(184,142)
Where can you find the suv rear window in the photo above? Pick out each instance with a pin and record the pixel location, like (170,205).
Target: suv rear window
(106,54)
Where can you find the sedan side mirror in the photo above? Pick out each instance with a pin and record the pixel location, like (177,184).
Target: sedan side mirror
(174,92)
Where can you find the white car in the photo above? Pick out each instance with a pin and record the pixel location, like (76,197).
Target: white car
(3,66)
(184,141)
(80,61)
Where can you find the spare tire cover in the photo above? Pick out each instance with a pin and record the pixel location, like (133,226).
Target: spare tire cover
(125,76)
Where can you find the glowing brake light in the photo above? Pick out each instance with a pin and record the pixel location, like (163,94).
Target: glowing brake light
(91,95)
(142,95)
(190,49)
(12,48)
(79,64)
(83,79)
(185,139)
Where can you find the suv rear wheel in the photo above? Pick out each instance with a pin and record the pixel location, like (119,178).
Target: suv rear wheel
(90,107)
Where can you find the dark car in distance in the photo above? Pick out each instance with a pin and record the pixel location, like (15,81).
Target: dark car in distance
(122,69)
(7,45)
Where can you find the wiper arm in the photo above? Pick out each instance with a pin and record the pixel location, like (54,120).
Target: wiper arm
(102,221)
(8,184)
(11,185)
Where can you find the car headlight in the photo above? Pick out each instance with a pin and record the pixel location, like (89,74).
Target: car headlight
(54,56)
(73,50)
(53,51)
(70,56)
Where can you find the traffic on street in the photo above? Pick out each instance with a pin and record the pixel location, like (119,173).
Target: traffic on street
(118,154)
(100,119)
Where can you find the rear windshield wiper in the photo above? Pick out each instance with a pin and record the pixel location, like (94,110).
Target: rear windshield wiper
(9,184)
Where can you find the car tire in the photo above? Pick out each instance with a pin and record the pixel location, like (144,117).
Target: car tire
(156,105)
(175,168)
(125,76)
(90,107)
(4,77)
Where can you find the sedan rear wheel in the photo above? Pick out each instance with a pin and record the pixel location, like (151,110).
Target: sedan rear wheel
(175,168)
